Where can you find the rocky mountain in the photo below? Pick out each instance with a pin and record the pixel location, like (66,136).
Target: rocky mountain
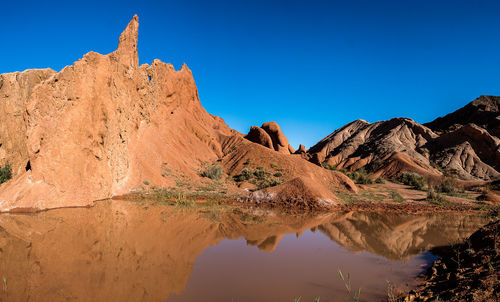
(464,142)
(107,126)
(483,112)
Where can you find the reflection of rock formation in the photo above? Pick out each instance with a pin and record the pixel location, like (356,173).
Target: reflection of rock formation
(399,236)
(118,251)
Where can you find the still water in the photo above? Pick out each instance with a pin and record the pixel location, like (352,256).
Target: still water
(124,251)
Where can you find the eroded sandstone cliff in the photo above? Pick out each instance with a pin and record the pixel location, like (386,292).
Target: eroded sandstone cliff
(103,126)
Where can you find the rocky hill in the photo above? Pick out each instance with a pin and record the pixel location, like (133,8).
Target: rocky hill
(106,126)
(483,111)
(464,142)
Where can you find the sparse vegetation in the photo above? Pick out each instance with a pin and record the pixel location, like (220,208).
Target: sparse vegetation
(360,177)
(146,183)
(347,284)
(396,197)
(328,166)
(412,179)
(379,180)
(448,185)
(5,173)
(260,177)
(435,197)
(246,174)
(213,172)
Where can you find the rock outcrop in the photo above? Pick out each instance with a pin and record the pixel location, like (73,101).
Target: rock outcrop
(463,142)
(105,125)
(270,135)
(15,89)
(360,143)
(483,111)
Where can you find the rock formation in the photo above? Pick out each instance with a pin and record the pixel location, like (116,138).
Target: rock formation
(270,135)
(483,111)
(360,143)
(15,89)
(463,142)
(106,126)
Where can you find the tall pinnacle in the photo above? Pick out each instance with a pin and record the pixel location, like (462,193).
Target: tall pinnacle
(127,46)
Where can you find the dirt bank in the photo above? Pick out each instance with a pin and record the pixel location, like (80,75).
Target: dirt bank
(467,271)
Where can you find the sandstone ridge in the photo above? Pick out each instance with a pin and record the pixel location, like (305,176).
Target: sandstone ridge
(107,126)
(464,143)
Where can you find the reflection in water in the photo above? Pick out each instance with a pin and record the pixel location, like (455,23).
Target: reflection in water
(121,251)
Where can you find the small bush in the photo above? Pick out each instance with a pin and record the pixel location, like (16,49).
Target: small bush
(146,183)
(435,197)
(412,179)
(396,197)
(247,161)
(360,177)
(261,173)
(246,174)
(278,174)
(268,182)
(213,172)
(5,173)
(380,180)
(328,166)
(448,185)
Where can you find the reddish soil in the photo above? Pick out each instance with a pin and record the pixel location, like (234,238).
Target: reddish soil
(469,271)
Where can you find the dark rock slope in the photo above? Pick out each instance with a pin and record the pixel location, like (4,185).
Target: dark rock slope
(464,142)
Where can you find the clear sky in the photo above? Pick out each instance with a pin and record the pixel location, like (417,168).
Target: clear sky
(311,66)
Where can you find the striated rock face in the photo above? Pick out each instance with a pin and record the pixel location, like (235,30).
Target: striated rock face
(15,89)
(102,127)
(360,143)
(387,148)
(270,135)
(470,150)
(483,111)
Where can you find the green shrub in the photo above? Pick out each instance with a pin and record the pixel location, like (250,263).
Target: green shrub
(213,172)
(328,166)
(396,197)
(246,174)
(261,173)
(360,177)
(435,197)
(448,185)
(5,173)
(412,179)
(268,182)
(380,180)
(278,174)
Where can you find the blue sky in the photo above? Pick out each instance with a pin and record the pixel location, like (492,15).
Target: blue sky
(311,66)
